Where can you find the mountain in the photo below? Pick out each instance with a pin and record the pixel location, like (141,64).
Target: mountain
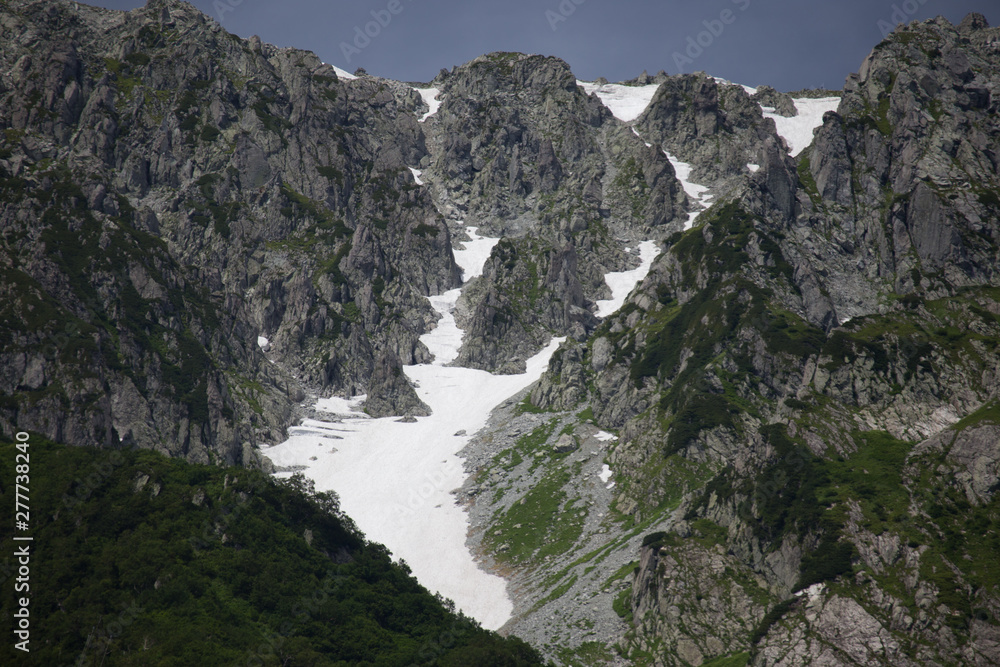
(808,380)
(781,449)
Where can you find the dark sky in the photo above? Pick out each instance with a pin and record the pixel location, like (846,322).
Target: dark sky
(788,44)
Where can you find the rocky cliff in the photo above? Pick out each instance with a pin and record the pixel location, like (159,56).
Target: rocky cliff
(172,193)
(809,377)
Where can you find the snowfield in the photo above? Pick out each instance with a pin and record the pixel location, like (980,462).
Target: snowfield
(343,74)
(395,479)
(626,103)
(798,131)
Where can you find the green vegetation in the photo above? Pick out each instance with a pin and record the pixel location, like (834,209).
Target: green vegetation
(422,230)
(142,560)
(526,406)
(333,174)
(587,654)
(773,616)
(632,183)
(807,181)
(735,660)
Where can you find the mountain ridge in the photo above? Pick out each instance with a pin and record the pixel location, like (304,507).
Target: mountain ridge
(175,192)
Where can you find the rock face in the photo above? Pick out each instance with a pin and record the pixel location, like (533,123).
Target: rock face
(518,149)
(171,193)
(832,322)
(717,128)
(390,391)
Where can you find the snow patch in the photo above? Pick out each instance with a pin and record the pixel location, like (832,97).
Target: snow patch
(604,436)
(471,258)
(753,167)
(725,82)
(262,342)
(699,193)
(606,473)
(429,96)
(445,340)
(416,175)
(343,74)
(636,133)
(798,130)
(622,283)
(342,406)
(813,591)
(626,103)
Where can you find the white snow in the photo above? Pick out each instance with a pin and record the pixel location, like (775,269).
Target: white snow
(798,130)
(416,175)
(621,283)
(262,342)
(605,474)
(626,103)
(342,406)
(699,193)
(753,167)
(445,340)
(636,133)
(429,96)
(473,255)
(343,74)
(604,436)
(395,479)
(813,591)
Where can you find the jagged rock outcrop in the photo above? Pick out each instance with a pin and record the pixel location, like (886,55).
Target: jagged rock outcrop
(804,387)
(832,322)
(391,392)
(782,103)
(176,192)
(520,149)
(717,128)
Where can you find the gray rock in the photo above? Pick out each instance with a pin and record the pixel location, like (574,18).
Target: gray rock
(565,444)
(390,393)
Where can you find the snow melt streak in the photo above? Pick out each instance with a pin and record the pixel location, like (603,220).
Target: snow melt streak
(429,96)
(699,193)
(622,283)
